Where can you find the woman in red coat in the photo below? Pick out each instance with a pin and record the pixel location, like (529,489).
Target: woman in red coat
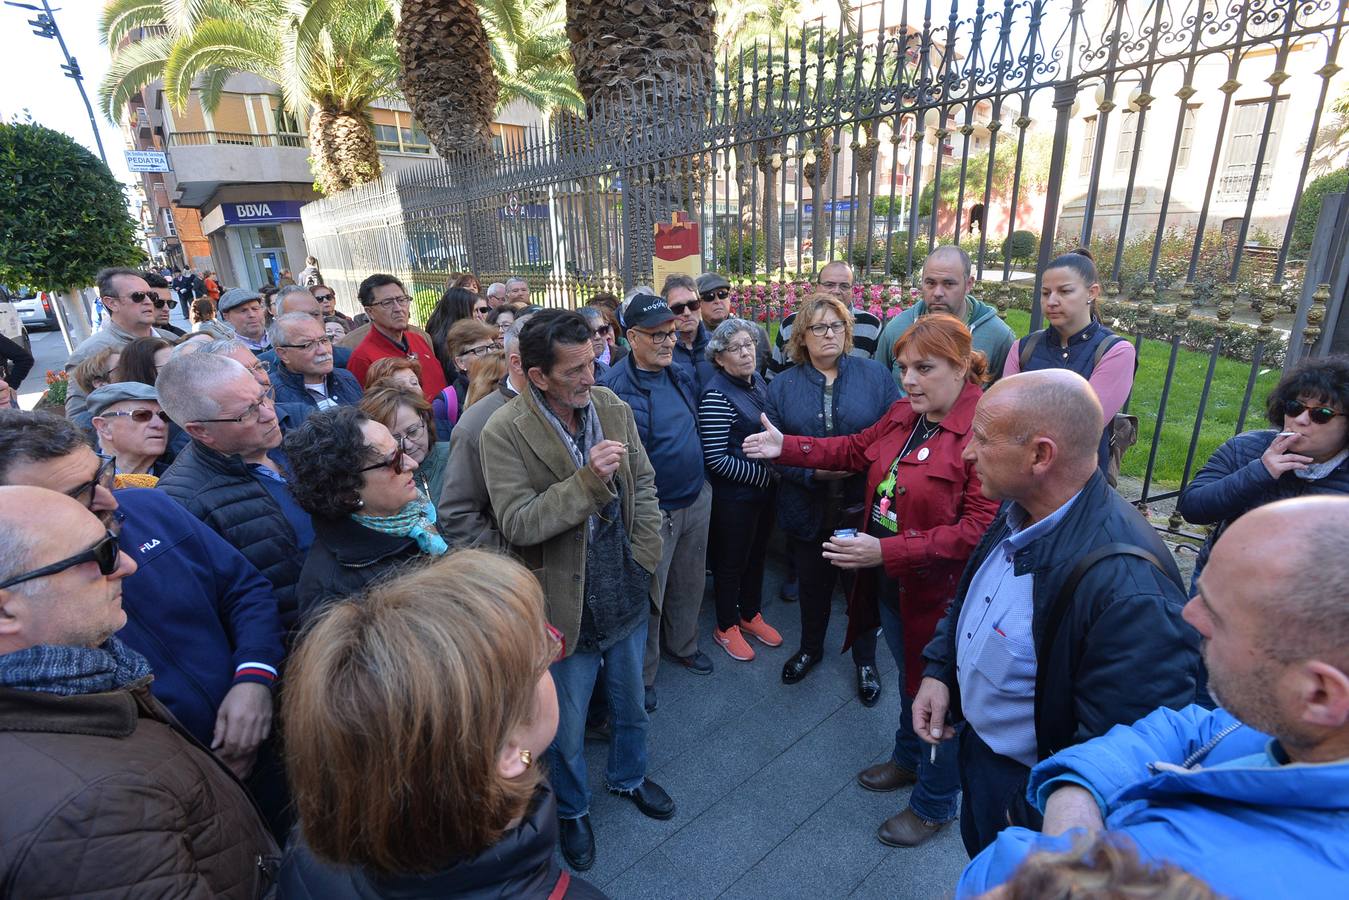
(924,516)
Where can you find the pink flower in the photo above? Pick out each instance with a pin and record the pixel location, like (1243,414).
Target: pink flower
(892,312)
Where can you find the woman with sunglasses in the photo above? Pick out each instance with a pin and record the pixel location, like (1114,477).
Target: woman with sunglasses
(607,354)
(370,517)
(1306,452)
(133,430)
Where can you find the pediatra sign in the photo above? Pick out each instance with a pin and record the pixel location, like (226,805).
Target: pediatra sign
(147,161)
(261,212)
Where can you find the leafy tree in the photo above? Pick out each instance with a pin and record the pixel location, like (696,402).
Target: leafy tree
(1034,172)
(332,59)
(1309,209)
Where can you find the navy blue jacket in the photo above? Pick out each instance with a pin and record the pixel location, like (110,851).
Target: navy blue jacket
(694,361)
(863,391)
(1234,481)
(342,387)
(225,494)
(1121,650)
(623,380)
(340,357)
(196,609)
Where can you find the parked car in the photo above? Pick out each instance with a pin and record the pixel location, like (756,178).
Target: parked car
(11,323)
(35,308)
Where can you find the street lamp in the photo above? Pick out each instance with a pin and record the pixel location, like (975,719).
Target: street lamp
(44,26)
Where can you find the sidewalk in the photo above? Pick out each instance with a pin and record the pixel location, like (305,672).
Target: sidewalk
(764,777)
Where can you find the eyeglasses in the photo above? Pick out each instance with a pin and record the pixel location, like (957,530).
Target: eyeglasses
(601,331)
(835,285)
(249,415)
(1318,414)
(324,298)
(136,297)
(719,294)
(397,462)
(411,434)
(691,306)
(140,416)
(105,553)
(481,351)
(103,477)
(161,303)
(390,302)
(482,310)
(740,347)
(325,341)
(659,337)
(820,329)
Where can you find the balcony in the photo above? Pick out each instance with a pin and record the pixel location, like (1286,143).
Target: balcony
(141,122)
(236,139)
(205,160)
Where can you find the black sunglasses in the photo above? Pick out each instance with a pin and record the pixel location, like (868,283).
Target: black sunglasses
(140,416)
(691,306)
(160,304)
(482,309)
(395,462)
(102,477)
(719,293)
(104,553)
(1318,414)
(139,297)
(322,298)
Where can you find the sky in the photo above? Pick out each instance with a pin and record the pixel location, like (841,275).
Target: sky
(35,81)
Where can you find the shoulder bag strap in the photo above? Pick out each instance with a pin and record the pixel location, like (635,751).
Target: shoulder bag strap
(1028,345)
(1069,588)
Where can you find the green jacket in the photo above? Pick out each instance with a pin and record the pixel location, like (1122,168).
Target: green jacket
(542,501)
(992,336)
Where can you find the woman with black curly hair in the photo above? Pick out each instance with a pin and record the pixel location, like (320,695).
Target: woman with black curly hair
(370,518)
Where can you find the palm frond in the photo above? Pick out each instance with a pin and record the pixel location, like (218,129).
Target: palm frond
(218,44)
(120,17)
(134,66)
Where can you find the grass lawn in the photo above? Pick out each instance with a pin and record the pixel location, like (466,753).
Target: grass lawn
(1220,413)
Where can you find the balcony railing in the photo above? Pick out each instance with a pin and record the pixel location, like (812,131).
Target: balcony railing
(237,139)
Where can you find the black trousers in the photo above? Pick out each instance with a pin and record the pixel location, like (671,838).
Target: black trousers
(740,531)
(993,790)
(816,579)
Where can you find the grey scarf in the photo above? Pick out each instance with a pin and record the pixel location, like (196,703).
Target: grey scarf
(578,445)
(68,671)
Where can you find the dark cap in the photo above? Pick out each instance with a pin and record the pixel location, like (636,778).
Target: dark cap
(647,311)
(98,401)
(710,281)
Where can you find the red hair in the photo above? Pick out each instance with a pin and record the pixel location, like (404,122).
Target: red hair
(945,337)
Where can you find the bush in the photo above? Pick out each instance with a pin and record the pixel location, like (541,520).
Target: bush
(1021,246)
(736,254)
(1309,209)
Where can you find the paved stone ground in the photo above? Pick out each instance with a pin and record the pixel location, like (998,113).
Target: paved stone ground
(764,777)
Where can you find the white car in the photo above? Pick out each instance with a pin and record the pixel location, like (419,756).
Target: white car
(35,308)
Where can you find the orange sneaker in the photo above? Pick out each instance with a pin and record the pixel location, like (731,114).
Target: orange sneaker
(761,631)
(733,643)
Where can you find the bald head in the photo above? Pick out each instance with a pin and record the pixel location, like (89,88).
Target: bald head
(1289,561)
(1053,403)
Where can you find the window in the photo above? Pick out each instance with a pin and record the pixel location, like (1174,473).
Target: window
(1186,135)
(1088,146)
(401,139)
(1128,133)
(1243,146)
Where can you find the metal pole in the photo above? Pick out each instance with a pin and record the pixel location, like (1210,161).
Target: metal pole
(1064,94)
(45,25)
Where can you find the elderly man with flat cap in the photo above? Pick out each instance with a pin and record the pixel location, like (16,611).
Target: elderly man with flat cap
(133,430)
(1252,797)
(243,310)
(1067,620)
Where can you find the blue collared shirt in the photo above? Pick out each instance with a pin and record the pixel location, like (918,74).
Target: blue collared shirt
(995,650)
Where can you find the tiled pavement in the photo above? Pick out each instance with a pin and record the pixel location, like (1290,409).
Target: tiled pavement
(763,775)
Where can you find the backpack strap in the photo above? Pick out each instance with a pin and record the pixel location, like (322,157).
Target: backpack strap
(451,404)
(1102,349)
(1069,588)
(1028,345)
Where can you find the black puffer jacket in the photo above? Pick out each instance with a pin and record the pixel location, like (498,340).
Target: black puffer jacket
(520,866)
(345,558)
(225,494)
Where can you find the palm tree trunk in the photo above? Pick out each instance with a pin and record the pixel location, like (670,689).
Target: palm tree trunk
(817,173)
(342,149)
(865,157)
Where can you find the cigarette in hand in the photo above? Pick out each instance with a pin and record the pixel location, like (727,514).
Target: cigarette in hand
(932,757)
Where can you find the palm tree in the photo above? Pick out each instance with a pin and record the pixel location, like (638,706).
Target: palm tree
(448,77)
(531,55)
(331,58)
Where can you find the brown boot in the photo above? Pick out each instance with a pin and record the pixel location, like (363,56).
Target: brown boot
(885,776)
(906,829)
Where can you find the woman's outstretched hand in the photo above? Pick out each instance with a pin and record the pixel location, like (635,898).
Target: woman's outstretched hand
(767,444)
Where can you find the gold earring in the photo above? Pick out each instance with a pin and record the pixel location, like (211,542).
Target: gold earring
(527,757)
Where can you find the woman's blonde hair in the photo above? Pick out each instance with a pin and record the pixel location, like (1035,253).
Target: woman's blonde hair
(811,309)
(484,374)
(465,333)
(1106,867)
(397,707)
(96,366)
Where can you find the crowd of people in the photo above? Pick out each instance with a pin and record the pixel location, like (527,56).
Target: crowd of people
(321,605)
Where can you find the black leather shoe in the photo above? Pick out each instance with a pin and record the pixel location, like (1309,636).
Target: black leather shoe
(578,842)
(868,685)
(796,668)
(650,798)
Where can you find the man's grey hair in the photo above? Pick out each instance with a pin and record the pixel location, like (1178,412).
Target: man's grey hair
(678,281)
(958,252)
(496,288)
(511,342)
(20,543)
(291,290)
(187,385)
(514,279)
(725,333)
(592,313)
(224,347)
(279,330)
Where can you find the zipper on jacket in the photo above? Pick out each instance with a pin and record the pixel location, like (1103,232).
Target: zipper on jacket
(1194,758)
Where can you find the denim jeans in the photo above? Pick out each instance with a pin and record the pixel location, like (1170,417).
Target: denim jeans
(935,795)
(575,680)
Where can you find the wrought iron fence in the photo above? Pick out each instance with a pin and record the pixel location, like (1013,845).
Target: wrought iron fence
(1172,137)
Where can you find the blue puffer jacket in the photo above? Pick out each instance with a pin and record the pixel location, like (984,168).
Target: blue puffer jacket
(694,362)
(1201,790)
(1234,481)
(863,391)
(686,474)
(342,387)
(196,609)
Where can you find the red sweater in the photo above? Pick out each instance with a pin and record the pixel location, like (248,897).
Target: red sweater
(376,345)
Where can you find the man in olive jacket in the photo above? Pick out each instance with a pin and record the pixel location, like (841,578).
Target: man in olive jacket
(574,495)
(105,794)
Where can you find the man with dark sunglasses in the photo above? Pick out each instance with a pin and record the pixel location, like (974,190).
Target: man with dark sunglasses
(202,615)
(96,769)
(680,293)
(714,295)
(130,305)
(165,302)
